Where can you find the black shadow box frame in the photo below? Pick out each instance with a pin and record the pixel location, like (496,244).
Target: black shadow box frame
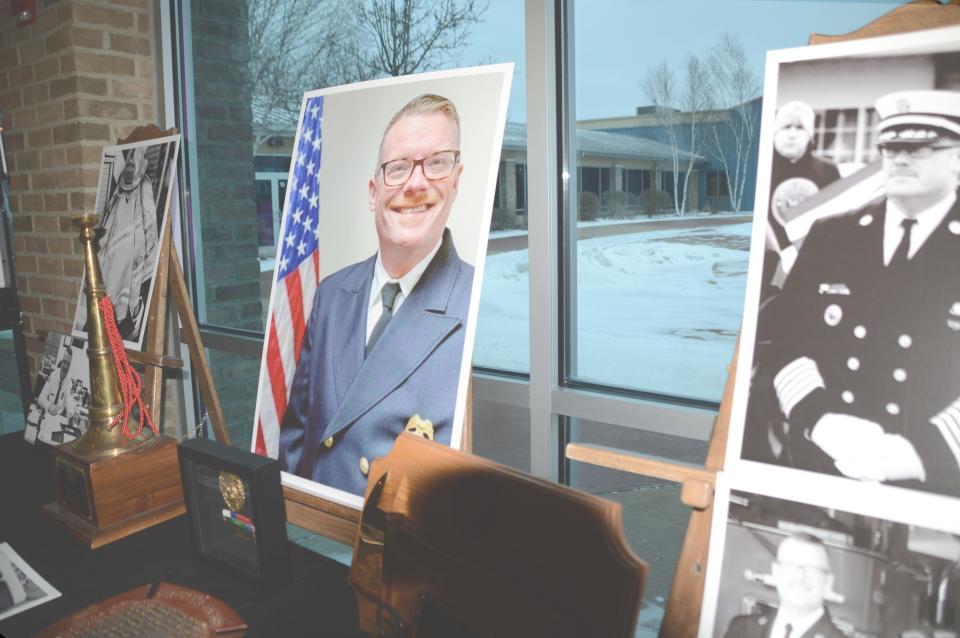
(236,508)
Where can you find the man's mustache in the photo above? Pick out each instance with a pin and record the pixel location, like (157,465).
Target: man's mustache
(412,202)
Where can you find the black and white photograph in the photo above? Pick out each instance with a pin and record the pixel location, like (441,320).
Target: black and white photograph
(378,272)
(20,586)
(850,351)
(60,409)
(133,202)
(782,568)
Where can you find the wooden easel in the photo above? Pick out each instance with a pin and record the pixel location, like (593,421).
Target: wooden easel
(170,276)
(682,615)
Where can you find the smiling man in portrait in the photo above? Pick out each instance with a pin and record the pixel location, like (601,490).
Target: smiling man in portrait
(383,346)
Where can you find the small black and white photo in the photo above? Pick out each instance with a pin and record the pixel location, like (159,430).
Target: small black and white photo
(781,568)
(20,586)
(60,409)
(133,201)
(851,334)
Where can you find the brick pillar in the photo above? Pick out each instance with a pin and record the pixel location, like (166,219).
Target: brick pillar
(228,214)
(77,79)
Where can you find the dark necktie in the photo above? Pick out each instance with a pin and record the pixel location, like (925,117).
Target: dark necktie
(388,295)
(56,399)
(903,248)
(787,630)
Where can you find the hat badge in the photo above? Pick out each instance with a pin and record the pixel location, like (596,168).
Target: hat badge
(903,105)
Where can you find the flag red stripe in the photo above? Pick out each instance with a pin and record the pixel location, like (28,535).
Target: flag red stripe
(261,447)
(295,297)
(275,369)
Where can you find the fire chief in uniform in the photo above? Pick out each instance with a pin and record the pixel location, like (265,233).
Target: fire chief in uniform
(385,338)
(865,350)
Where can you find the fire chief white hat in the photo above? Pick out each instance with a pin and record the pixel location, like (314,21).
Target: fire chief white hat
(918,117)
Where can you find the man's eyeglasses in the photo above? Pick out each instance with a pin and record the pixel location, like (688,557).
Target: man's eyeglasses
(809,572)
(916,151)
(435,166)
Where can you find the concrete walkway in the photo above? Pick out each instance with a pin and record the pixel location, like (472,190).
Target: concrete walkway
(519,242)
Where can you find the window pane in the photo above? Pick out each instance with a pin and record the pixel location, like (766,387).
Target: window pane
(503,324)
(250,67)
(250,70)
(233,376)
(659,222)
(656,538)
(11,409)
(501,432)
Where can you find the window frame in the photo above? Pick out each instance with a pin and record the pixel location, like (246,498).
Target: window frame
(549,391)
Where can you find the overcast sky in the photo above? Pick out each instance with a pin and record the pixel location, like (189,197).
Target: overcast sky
(617,41)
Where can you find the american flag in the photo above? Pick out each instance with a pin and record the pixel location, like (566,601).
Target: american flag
(297,277)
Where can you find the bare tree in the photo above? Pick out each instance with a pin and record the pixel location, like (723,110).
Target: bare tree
(694,101)
(659,86)
(298,45)
(734,87)
(679,111)
(409,36)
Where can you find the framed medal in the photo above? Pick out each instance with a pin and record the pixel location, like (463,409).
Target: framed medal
(235,506)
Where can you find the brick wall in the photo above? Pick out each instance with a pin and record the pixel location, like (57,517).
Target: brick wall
(81,77)
(227,209)
(78,78)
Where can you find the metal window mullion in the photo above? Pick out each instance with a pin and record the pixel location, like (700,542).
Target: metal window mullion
(542,232)
(497,389)
(662,418)
(167,51)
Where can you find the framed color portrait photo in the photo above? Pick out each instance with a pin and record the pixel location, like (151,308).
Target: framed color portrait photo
(133,202)
(850,349)
(378,269)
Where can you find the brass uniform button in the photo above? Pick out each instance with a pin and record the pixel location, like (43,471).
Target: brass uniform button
(364,465)
(328,442)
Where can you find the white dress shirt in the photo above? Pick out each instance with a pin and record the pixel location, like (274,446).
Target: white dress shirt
(927,222)
(407,283)
(798,626)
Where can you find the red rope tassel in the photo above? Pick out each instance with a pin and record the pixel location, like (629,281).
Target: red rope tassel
(130,384)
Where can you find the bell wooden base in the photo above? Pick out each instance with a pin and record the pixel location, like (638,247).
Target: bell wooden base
(103,500)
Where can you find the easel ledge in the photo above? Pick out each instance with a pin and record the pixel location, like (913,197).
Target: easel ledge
(682,616)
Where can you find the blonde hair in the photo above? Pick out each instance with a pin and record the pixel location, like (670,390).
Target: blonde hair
(426,103)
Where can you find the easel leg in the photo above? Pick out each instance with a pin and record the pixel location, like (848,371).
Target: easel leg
(191,331)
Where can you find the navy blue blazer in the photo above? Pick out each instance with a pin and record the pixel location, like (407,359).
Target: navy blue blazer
(344,410)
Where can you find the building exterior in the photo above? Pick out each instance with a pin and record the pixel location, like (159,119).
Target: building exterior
(716,138)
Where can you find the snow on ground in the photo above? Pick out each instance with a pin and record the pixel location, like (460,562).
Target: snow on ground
(659,311)
(613,221)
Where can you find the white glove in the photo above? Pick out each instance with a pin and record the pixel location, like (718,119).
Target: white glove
(842,435)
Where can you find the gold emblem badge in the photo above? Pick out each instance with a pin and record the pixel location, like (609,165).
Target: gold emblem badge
(231,489)
(420,427)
